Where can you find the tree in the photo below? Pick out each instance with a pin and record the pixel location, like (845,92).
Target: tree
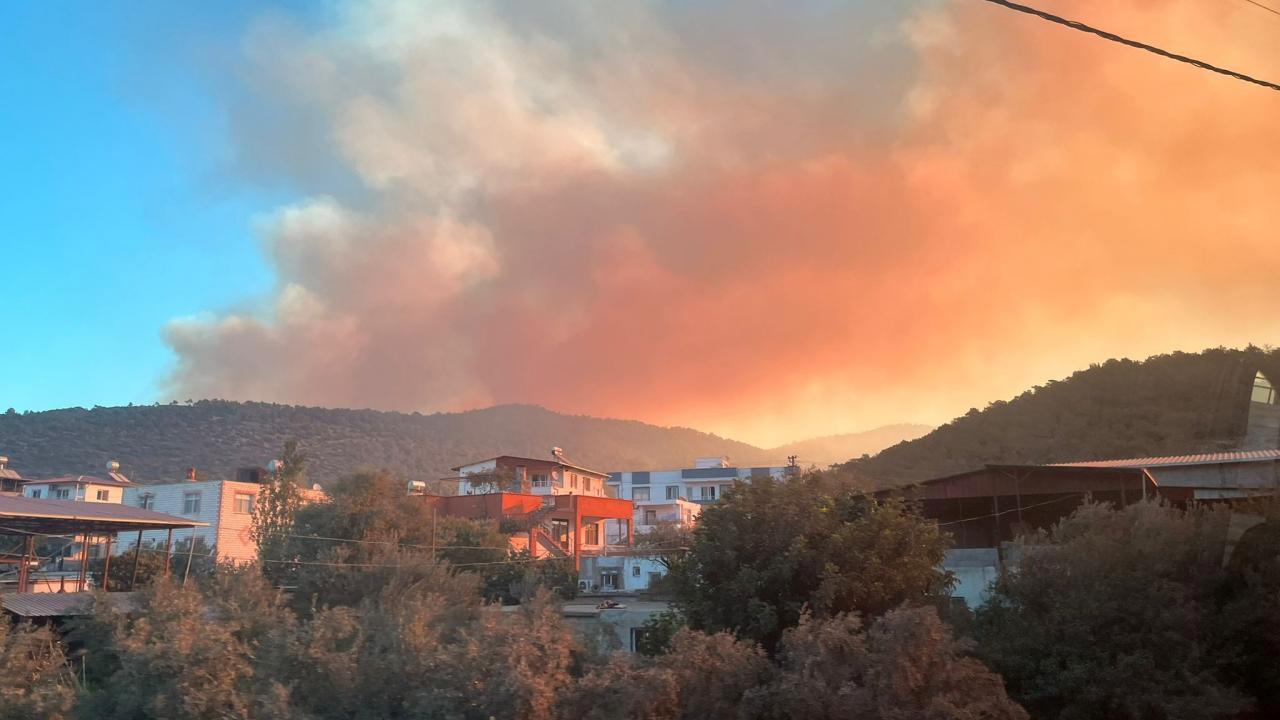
(275,511)
(172,658)
(1107,615)
(769,551)
(906,666)
(658,631)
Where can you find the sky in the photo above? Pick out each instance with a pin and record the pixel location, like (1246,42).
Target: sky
(767,220)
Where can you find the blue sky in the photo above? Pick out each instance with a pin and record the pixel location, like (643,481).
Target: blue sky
(117,213)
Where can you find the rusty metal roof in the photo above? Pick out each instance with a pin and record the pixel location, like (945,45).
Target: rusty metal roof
(59,517)
(29,604)
(1218,458)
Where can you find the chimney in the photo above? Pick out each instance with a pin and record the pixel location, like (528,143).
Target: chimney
(557,453)
(191,474)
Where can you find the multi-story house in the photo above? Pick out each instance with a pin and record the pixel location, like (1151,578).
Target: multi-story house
(675,497)
(87,488)
(552,508)
(225,505)
(705,482)
(533,476)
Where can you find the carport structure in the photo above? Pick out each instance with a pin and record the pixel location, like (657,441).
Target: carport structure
(29,518)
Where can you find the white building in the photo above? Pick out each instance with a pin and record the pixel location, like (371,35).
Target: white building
(226,505)
(675,497)
(86,488)
(705,482)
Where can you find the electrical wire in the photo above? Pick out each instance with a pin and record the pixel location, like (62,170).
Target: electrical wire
(1019,508)
(1268,8)
(1076,25)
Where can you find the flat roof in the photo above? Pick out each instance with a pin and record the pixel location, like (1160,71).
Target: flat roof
(32,516)
(554,461)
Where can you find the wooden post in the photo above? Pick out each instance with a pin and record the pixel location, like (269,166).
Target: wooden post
(84,563)
(1017,490)
(168,551)
(106,567)
(137,550)
(190,551)
(24,570)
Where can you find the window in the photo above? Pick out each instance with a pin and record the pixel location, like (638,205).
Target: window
(650,517)
(707,492)
(586,484)
(573,481)
(1264,391)
(639,493)
(36,494)
(244,503)
(635,571)
(62,493)
(190,503)
(724,489)
(541,480)
(103,495)
(146,501)
(592,535)
(673,492)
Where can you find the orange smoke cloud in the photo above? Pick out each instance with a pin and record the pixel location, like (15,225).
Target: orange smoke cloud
(814,221)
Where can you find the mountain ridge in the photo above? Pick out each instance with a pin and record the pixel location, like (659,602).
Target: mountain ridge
(155,443)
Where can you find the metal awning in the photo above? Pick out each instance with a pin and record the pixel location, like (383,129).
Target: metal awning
(31,516)
(34,605)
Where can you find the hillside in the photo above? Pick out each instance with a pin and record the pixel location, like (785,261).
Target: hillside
(1168,404)
(837,448)
(156,443)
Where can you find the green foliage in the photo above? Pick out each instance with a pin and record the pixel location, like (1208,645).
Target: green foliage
(657,633)
(1167,405)
(770,551)
(907,665)
(275,511)
(520,577)
(151,564)
(1118,614)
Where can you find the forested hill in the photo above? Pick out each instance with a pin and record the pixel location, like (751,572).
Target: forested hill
(1166,405)
(156,443)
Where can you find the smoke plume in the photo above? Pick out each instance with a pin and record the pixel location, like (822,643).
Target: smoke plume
(767,220)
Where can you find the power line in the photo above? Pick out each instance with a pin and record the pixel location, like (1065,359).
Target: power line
(1268,8)
(1020,508)
(1075,25)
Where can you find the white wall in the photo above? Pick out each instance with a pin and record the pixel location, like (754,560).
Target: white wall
(86,492)
(169,499)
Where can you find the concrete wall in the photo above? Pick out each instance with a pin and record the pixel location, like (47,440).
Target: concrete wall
(87,492)
(974,570)
(1263,430)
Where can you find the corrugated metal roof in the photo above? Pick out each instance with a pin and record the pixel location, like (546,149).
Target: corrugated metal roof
(1235,456)
(29,604)
(57,516)
(116,479)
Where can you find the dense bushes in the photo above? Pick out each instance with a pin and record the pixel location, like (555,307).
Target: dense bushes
(1132,614)
(232,649)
